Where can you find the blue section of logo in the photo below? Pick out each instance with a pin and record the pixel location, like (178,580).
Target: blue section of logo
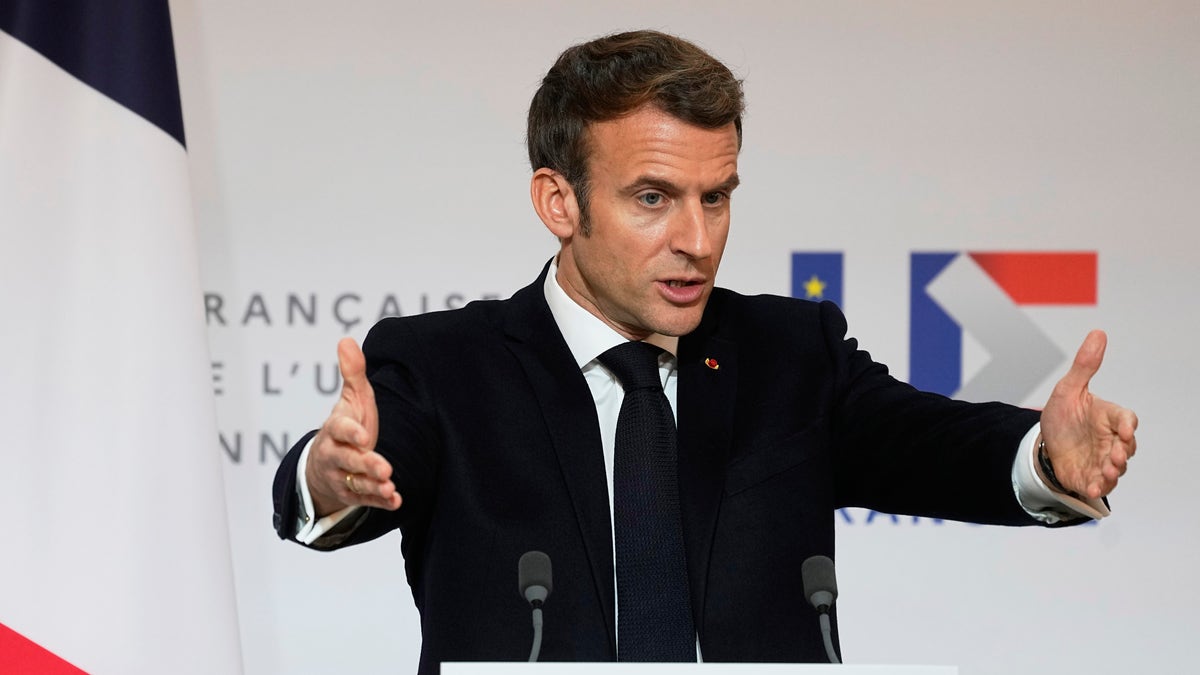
(848,518)
(817,276)
(934,338)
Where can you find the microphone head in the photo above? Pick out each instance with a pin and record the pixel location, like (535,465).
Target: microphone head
(820,582)
(534,576)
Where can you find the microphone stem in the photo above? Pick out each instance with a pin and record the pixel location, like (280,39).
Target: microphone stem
(827,634)
(537,635)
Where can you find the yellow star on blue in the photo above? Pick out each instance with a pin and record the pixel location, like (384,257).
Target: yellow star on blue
(814,288)
(817,276)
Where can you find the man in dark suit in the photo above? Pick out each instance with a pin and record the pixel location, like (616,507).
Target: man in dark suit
(489,431)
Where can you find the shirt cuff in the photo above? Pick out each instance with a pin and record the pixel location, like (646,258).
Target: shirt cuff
(1040,500)
(309,530)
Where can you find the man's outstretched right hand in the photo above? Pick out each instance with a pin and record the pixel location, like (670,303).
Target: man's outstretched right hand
(343,468)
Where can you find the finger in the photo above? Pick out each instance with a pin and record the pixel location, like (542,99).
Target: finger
(380,503)
(1122,421)
(1117,464)
(370,465)
(359,490)
(330,461)
(391,503)
(1087,361)
(351,362)
(1101,487)
(1118,458)
(353,367)
(1121,449)
(356,389)
(1111,472)
(348,431)
(1106,482)
(1127,425)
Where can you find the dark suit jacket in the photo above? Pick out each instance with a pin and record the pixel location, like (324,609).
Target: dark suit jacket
(493,438)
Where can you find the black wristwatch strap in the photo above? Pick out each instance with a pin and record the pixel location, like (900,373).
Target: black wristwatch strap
(1043,459)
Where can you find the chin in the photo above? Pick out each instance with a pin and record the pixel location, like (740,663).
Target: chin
(678,326)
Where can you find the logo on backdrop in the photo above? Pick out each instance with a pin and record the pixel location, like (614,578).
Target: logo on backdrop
(983,294)
(817,276)
(976,293)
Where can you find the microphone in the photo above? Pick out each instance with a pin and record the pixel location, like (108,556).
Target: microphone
(535,583)
(820,588)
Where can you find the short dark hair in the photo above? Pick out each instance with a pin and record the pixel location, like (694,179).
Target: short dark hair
(616,75)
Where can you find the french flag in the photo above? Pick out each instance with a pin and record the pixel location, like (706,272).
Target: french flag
(115,554)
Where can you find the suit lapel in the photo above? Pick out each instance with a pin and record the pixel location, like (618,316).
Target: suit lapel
(707,392)
(570,416)
(705,412)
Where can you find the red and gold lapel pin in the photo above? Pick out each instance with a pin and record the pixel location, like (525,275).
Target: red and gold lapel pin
(712,363)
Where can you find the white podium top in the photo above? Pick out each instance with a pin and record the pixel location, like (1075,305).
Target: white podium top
(482,668)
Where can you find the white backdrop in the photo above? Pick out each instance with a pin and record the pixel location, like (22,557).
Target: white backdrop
(368,158)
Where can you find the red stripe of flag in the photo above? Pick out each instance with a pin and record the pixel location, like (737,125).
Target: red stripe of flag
(1043,278)
(19,654)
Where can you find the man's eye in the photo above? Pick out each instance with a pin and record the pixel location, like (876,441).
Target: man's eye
(651,199)
(714,198)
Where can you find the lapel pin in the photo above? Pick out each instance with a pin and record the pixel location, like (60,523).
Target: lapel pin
(712,363)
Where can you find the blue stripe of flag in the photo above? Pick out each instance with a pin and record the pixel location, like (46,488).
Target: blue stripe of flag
(121,48)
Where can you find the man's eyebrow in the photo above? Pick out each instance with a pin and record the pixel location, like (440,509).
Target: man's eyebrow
(643,182)
(729,184)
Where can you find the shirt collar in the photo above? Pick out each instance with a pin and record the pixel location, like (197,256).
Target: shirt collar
(586,335)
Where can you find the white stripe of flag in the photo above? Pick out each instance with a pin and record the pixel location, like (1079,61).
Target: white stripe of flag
(115,554)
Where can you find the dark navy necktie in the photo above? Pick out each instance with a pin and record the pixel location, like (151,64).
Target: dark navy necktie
(654,620)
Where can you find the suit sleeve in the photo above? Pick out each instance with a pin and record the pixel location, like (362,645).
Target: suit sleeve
(900,450)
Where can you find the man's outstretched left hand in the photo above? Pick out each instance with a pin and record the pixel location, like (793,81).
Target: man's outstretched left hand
(1089,440)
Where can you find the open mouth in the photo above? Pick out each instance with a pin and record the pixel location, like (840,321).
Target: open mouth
(682,291)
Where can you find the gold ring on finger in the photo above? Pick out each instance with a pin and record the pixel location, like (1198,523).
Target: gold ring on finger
(350,484)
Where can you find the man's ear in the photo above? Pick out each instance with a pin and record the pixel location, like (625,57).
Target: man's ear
(554,201)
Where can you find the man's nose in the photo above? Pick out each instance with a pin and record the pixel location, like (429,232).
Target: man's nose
(689,232)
